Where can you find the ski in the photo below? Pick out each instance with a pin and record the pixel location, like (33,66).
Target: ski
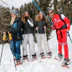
(48,56)
(57,58)
(43,57)
(18,63)
(32,60)
(66,66)
(25,59)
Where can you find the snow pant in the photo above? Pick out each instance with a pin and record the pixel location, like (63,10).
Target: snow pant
(42,40)
(15,49)
(62,40)
(28,39)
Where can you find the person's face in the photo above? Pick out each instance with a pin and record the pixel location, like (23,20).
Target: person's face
(13,15)
(51,13)
(41,15)
(26,14)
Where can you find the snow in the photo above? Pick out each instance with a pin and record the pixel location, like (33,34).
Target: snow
(45,65)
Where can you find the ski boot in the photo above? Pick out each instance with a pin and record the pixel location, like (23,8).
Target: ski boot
(34,57)
(18,62)
(66,62)
(25,57)
(42,56)
(49,54)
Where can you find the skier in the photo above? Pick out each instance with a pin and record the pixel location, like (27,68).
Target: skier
(40,29)
(28,36)
(15,36)
(61,24)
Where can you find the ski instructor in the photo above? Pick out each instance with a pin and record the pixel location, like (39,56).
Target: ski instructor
(61,24)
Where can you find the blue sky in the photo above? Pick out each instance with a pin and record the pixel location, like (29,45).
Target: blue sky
(15,3)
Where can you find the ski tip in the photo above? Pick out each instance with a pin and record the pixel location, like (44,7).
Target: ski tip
(56,58)
(49,57)
(43,57)
(19,64)
(66,66)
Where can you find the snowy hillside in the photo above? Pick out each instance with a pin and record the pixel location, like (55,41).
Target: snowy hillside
(45,65)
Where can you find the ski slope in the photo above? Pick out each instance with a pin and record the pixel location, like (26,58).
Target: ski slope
(45,65)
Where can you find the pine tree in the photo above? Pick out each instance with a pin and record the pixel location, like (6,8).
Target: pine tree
(65,7)
(5,18)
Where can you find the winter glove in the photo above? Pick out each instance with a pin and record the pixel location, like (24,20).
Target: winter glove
(44,27)
(26,18)
(36,28)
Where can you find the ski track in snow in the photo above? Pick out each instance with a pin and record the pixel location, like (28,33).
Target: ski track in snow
(45,65)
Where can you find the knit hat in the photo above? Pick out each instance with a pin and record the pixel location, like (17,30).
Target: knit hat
(15,12)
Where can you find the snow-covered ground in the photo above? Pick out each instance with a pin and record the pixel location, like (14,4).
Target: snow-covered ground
(46,65)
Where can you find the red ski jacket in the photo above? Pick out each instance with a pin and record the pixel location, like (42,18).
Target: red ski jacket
(60,21)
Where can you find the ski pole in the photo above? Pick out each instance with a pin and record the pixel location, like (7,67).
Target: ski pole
(69,36)
(15,64)
(46,37)
(37,32)
(1,52)
(2,42)
(45,31)
(40,10)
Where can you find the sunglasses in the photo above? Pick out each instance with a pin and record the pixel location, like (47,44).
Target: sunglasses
(50,12)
